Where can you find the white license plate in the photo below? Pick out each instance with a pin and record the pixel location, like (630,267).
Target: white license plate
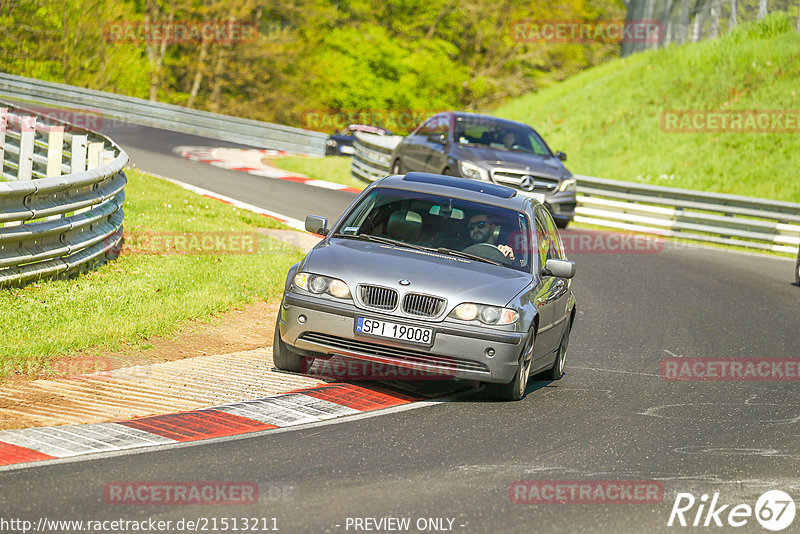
(402,332)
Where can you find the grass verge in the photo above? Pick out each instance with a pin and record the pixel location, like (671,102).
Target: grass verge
(329,168)
(150,292)
(608,118)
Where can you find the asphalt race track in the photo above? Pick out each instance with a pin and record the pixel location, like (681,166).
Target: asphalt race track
(151,150)
(611,418)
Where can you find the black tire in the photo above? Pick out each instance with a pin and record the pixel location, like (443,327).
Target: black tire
(561,224)
(284,358)
(397,167)
(557,371)
(515,390)
(448,172)
(797,270)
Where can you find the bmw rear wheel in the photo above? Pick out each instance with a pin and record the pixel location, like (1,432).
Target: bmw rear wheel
(557,371)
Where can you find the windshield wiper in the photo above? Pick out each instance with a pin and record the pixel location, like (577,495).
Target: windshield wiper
(467,255)
(383,240)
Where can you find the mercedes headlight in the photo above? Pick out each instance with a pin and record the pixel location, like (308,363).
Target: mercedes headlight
(470,170)
(570,185)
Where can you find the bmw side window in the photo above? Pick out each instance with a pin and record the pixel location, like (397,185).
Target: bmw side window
(542,242)
(556,246)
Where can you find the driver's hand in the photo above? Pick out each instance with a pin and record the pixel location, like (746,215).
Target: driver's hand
(507,251)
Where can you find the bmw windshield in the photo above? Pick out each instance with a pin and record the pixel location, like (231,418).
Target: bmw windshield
(447,225)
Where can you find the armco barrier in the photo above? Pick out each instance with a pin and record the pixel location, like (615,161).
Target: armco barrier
(166,116)
(684,214)
(61,203)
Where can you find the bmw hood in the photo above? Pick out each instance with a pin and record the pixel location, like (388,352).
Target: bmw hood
(453,278)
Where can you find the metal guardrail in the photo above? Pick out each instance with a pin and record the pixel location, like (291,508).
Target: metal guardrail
(166,116)
(61,210)
(683,214)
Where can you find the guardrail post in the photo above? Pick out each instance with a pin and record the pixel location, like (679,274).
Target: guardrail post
(94,155)
(78,160)
(27,136)
(55,150)
(3,123)
(106,157)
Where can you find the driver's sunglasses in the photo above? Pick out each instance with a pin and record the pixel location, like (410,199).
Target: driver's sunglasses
(481,225)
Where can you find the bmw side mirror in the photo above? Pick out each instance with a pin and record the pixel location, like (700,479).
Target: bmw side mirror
(559,268)
(317,225)
(560,155)
(438,138)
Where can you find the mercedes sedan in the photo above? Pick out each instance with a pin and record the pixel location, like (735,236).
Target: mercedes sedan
(482,147)
(450,277)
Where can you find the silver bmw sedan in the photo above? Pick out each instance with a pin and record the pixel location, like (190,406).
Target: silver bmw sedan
(445,276)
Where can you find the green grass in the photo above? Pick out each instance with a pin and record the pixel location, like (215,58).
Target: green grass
(329,168)
(142,295)
(607,118)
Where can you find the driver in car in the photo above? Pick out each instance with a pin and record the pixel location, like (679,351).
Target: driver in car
(481,230)
(509,140)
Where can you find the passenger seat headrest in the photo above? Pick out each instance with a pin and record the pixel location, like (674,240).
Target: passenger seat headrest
(404,225)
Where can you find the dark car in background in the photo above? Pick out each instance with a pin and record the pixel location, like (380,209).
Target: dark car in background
(482,147)
(341,144)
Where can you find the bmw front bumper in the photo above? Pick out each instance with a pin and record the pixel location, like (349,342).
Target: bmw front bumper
(457,351)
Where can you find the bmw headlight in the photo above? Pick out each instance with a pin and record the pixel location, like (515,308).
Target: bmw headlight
(570,185)
(494,315)
(470,170)
(314,283)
